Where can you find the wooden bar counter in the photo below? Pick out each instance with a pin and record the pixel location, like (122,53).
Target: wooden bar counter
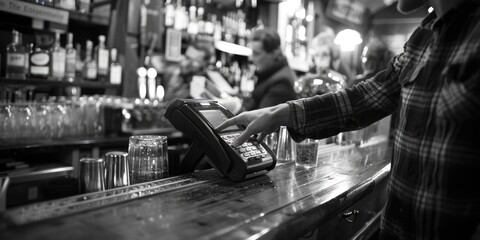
(287,203)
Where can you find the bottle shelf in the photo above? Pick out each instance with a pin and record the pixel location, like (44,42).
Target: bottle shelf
(52,83)
(54,14)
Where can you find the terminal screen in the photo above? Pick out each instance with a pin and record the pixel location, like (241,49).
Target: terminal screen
(216,117)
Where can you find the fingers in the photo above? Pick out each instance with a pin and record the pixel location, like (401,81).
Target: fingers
(261,136)
(241,139)
(227,123)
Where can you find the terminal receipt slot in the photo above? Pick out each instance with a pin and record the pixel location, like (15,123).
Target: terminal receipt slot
(198,119)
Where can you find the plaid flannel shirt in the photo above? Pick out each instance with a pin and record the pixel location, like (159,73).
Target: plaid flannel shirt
(434,189)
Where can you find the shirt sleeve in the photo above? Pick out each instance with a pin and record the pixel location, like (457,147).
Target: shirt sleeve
(349,109)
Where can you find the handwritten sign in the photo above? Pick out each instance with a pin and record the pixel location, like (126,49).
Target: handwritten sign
(34,11)
(347,11)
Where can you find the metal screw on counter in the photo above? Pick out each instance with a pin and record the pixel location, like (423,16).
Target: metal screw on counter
(117,170)
(92,175)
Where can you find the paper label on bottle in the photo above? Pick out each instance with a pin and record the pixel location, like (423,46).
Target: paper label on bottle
(91,73)
(103,59)
(115,74)
(70,62)
(16,59)
(58,66)
(39,70)
(40,59)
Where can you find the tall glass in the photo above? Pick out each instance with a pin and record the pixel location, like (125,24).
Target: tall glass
(147,158)
(285,146)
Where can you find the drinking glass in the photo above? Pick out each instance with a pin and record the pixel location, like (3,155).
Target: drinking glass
(307,153)
(92,175)
(147,158)
(7,123)
(286,146)
(272,140)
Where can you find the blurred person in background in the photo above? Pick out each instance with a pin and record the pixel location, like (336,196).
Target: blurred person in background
(435,85)
(195,61)
(326,55)
(327,73)
(275,79)
(375,57)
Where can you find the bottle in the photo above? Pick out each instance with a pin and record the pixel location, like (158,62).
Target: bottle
(27,59)
(70,59)
(115,68)
(79,63)
(40,58)
(101,53)
(83,6)
(90,66)
(169,14)
(192,28)
(58,59)
(181,17)
(16,53)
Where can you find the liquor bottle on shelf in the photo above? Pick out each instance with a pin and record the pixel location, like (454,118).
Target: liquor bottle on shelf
(27,59)
(70,60)
(181,17)
(209,28)
(217,32)
(79,63)
(90,66)
(83,6)
(192,15)
(16,61)
(58,59)
(200,18)
(102,56)
(40,58)
(169,14)
(115,68)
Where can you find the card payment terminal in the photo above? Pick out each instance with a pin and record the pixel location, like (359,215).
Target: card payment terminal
(198,119)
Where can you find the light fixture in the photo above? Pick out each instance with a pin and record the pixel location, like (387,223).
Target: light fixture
(348,39)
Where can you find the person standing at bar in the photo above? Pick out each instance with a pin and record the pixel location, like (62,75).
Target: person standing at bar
(275,79)
(433,190)
(375,58)
(194,63)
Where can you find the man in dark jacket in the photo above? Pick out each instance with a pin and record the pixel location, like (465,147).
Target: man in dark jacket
(275,79)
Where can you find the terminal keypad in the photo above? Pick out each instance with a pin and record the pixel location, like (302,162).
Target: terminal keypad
(251,150)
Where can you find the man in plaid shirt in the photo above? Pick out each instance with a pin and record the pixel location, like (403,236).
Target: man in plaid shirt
(434,189)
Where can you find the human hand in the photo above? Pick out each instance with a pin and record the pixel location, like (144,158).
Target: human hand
(262,122)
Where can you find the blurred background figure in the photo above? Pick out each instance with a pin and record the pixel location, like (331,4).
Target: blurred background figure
(326,55)
(275,79)
(327,73)
(178,77)
(375,58)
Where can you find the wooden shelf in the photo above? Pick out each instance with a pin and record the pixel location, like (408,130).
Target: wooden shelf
(52,83)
